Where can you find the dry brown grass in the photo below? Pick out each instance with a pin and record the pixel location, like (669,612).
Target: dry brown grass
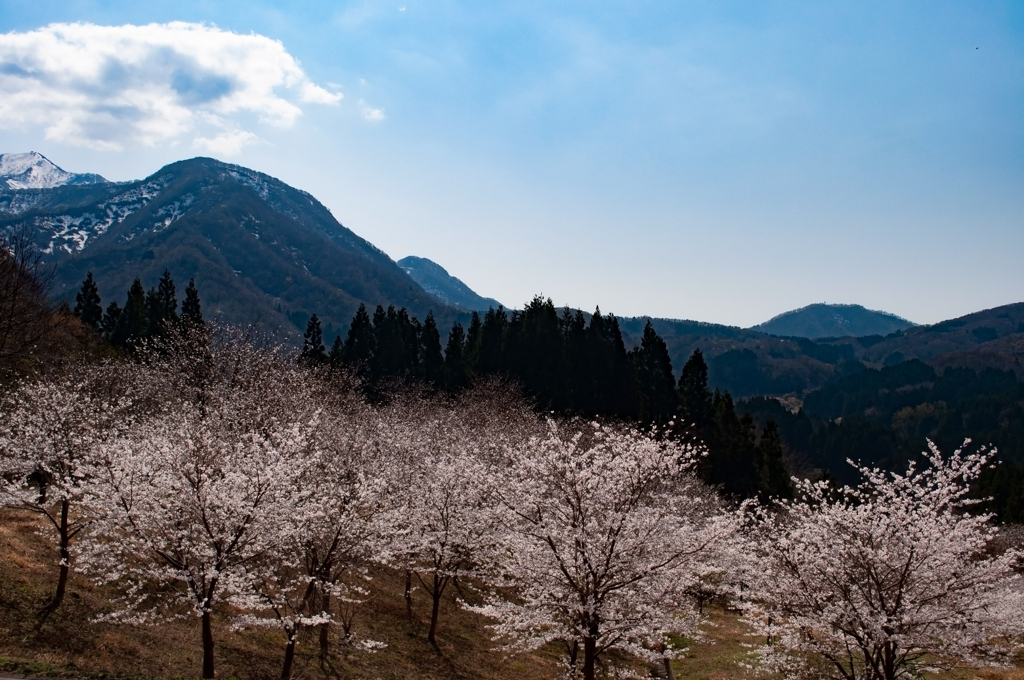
(729,643)
(70,645)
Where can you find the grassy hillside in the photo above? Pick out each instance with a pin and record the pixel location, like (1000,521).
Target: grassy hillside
(71,645)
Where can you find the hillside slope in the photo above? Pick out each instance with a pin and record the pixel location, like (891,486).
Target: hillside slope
(444,287)
(990,338)
(747,362)
(260,250)
(833,321)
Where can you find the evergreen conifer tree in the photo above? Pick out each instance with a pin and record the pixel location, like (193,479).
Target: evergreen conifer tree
(533,351)
(389,357)
(472,348)
(359,343)
(695,399)
(456,370)
(109,323)
(411,329)
(334,357)
(775,479)
(490,357)
(656,384)
(431,360)
(163,305)
(577,366)
(734,460)
(191,310)
(313,342)
(132,323)
(154,314)
(612,391)
(87,303)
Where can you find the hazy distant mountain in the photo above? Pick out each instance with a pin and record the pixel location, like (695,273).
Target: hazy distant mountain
(833,321)
(991,338)
(259,249)
(443,286)
(35,171)
(263,251)
(748,362)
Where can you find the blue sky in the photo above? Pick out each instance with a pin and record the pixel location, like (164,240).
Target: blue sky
(717,161)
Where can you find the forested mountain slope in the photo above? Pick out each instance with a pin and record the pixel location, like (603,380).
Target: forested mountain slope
(989,338)
(444,287)
(259,249)
(832,321)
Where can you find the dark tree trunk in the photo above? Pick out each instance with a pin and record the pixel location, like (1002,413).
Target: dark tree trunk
(65,564)
(289,655)
(325,629)
(207,645)
(889,661)
(65,555)
(590,653)
(439,584)
(408,593)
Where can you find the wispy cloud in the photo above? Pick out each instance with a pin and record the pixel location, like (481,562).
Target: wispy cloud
(110,87)
(229,143)
(372,114)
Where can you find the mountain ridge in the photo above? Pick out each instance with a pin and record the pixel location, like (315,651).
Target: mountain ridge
(259,249)
(444,287)
(33,170)
(263,251)
(822,320)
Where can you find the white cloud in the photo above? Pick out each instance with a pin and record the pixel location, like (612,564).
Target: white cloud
(228,143)
(108,87)
(372,114)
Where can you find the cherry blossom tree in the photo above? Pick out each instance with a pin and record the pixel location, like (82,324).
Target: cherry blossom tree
(882,581)
(446,518)
(186,501)
(50,432)
(337,523)
(186,504)
(605,529)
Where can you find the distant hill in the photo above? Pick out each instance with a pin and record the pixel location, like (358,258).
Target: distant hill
(992,338)
(750,362)
(263,251)
(833,321)
(747,362)
(35,171)
(444,287)
(259,249)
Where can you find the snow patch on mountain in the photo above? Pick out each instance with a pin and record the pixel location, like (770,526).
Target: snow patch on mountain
(71,233)
(251,180)
(169,214)
(17,202)
(33,170)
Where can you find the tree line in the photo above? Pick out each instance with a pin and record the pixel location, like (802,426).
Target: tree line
(145,314)
(573,364)
(885,417)
(211,473)
(570,365)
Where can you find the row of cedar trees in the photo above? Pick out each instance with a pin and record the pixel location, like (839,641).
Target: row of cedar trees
(146,314)
(569,365)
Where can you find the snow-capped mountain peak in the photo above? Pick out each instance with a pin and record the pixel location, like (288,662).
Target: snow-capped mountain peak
(33,170)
